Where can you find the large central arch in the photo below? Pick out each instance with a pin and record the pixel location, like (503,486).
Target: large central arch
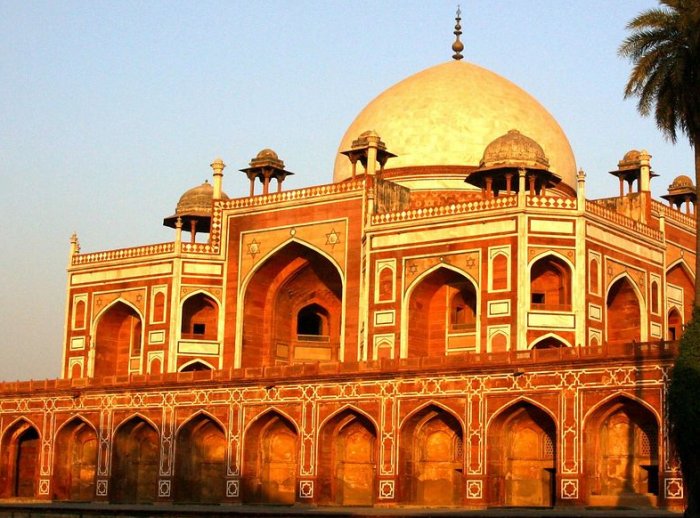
(293,309)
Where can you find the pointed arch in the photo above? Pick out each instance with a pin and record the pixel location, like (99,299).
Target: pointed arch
(347,457)
(135,415)
(684,266)
(199,316)
(520,400)
(20,450)
(270,459)
(439,327)
(200,459)
(135,461)
(196,365)
(101,313)
(551,277)
(549,337)
(680,287)
(349,407)
(621,449)
(620,296)
(201,413)
(675,323)
(438,406)
(521,450)
(279,247)
(117,339)
(75,460)
(621,395)
(431,457)
(311,276)
(273,410)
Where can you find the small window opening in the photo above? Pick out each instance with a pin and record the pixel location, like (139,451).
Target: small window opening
(312,323)
(199,329)
(538,298)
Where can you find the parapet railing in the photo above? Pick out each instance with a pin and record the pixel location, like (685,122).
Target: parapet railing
(674,214)
(123,253)
(317,371)
(304,193)
(500,202)
(621,220)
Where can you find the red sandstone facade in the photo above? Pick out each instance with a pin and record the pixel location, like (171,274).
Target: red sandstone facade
(373,341)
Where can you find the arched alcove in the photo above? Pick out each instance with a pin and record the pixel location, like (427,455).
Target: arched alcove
(117,340)
(623,318)
(21,447)
(347,459)
(270,460)
(521,457)
(135,454)
(200,316)
(621,453)
(679,276)
(550,284)
(675,324)
(442,314)
(75,462)
(200,461)
(431,458)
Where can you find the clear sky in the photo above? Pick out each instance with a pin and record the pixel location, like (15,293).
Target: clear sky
(111,110)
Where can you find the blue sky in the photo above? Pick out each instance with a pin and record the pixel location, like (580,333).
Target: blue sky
(111,110)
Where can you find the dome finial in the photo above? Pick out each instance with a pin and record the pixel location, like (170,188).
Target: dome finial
(457,46)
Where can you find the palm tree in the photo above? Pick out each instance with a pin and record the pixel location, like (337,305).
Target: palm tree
(664,47)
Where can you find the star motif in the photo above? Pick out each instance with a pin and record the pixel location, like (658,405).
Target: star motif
(253,248)
(471,262)
(412,268)
(332,238)
(610,270)
(139,297)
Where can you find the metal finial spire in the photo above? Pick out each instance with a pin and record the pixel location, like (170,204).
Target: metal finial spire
(458,46)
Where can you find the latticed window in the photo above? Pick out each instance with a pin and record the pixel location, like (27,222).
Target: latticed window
(647,443)
(459,448)
(547,447)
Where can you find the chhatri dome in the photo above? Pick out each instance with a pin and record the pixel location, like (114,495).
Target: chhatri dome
(448,114)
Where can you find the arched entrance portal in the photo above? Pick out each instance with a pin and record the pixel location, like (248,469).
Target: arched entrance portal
(347,460)
(622,453)
(134,462)
(270,460)
(75,462)
(431,458)
(200,462)
(293,309)
(20,460)
(442,315)
(117,341)
(521,457)
(623,318)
